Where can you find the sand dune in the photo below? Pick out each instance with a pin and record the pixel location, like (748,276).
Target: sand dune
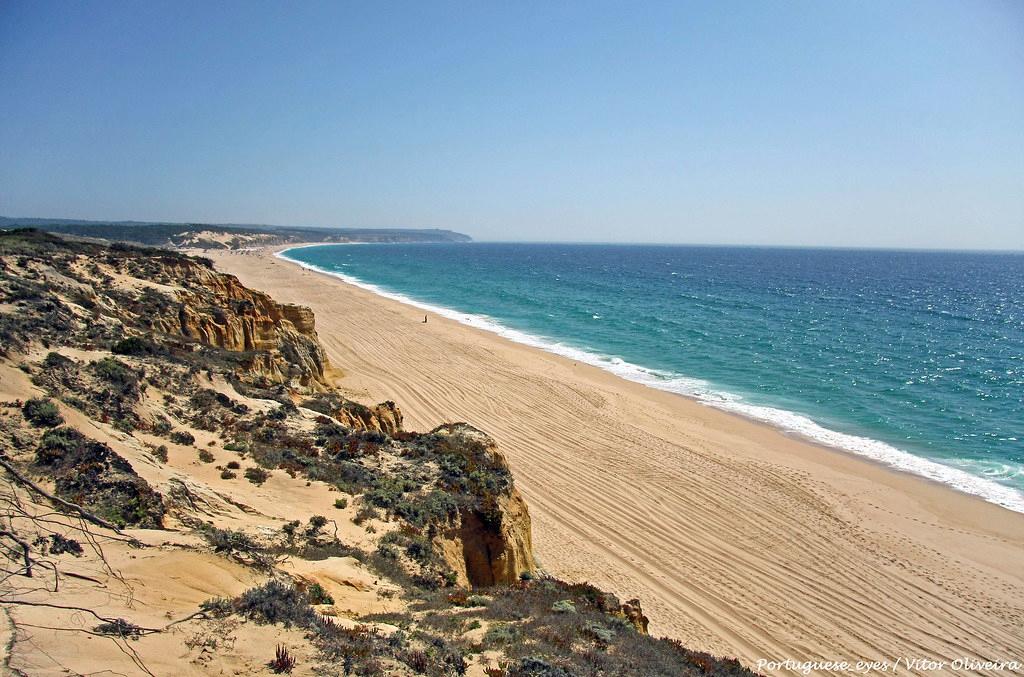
(738,539)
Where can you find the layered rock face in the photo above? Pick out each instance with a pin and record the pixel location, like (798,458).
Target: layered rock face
(217,310)
(491,543)
(385,417)
(493,552)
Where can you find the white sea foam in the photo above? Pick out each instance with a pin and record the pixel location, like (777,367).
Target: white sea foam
(703,392)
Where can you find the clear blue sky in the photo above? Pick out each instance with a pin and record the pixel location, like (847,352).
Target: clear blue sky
(870,123)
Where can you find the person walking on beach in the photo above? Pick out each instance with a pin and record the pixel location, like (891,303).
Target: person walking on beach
(424,319)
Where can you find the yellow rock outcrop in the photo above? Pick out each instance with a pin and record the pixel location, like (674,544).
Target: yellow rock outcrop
(217,310)
(490,544)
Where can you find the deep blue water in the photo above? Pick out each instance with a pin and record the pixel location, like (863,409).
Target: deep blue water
(906,357)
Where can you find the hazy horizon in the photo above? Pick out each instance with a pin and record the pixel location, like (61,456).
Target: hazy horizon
(638,243)
(799,124)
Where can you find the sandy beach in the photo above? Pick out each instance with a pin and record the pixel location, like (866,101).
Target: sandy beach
(738,539)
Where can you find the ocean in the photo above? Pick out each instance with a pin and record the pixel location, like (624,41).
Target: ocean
(913,359)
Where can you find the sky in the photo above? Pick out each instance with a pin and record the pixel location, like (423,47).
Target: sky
(873,123)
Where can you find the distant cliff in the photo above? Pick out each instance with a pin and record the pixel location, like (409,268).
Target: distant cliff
(226,236)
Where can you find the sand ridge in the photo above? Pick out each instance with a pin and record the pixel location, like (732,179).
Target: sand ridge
(739,539)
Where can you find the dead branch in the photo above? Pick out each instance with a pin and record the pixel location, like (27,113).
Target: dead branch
(120,642)
(63,607)
(82,512)
(25,551)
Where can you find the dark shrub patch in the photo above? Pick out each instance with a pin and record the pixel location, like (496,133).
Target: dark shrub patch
(437,507)
(90,474)
(161,426)
(119,375)
(535,667)
(318,595)
(42,413)
(120,628)
(133,345)
(276,602)
(228,542)
(315,527)
(256,475)
(57,544)
(183,437)
(57,361)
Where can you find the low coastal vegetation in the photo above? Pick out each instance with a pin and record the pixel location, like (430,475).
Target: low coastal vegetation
(162,415)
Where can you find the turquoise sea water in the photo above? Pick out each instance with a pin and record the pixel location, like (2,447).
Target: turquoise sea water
(914,359)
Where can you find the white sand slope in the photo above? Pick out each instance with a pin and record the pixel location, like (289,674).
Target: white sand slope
(738,539)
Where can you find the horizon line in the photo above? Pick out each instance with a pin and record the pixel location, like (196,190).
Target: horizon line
(236,224)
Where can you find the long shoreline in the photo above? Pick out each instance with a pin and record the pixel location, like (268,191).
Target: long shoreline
(787,422)
(740,539)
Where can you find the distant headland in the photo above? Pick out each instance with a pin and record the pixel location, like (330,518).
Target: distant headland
(226,235)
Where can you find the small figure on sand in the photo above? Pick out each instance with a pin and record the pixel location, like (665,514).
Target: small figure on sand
(424,319)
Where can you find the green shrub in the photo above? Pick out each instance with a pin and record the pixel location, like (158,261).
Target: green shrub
(416,546)
(276,602)
(256,475)
(389,490)
(42,412)
(56,361)
(341,503)
(500,634)
(161,426)
(599,632)
(437,507)
(318,595)
(218,607)
(564,606)
(160,453)
(315,526)
(133,345)
(117,374)
(183,437)
(535,667)
(365,512)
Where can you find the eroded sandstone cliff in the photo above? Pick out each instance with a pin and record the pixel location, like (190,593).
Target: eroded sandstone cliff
(385,417)
(491,541)
(217,310)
